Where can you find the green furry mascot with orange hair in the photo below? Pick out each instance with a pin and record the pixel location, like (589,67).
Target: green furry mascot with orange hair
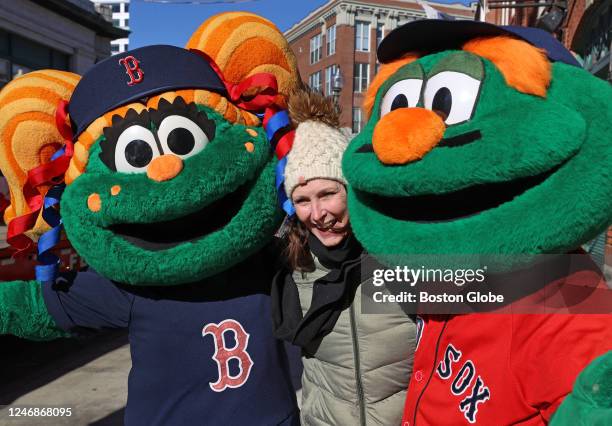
(170,197)
(489,142)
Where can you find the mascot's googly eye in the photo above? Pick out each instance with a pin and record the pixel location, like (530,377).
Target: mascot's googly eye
(453,94)
(403,94)
(135,149)
(181,136)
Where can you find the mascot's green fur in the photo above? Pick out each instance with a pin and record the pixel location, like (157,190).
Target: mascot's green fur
(220,209)
(535,179)
(480,144)
(170,197)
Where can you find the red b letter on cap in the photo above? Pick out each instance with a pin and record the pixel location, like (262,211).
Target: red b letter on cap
(133,70)
(223,355)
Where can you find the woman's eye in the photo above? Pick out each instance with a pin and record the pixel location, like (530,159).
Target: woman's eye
(135,149)
(403,94)
(181,136)
(453,95)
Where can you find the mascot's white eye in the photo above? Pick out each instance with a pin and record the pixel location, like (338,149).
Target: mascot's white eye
(135,149)
(453,94)
(181,136)
(403,94)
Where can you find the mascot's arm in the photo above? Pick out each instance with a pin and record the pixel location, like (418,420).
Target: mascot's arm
(590,403)
(23,312)
(75,301)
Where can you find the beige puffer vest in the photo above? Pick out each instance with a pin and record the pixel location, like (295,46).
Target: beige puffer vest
(360,372)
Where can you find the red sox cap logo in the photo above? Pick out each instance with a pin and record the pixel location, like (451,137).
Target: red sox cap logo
(223,355)
(132,69)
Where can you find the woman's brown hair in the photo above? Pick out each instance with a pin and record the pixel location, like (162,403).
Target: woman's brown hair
(297,251)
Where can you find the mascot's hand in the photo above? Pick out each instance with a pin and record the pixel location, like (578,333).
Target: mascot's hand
(23,312)
(590,403)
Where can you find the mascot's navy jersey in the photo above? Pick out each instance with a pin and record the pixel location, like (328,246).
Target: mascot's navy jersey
(201,354)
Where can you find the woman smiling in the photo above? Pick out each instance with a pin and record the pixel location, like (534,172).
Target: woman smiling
(356,366)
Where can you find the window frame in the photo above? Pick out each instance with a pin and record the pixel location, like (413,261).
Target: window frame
(330,40)
(315,49)
(358,78)
(362,36)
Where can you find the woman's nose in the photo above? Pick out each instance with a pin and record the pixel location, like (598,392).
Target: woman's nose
(318,212)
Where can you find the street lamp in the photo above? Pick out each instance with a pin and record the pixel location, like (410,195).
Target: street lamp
(337,85)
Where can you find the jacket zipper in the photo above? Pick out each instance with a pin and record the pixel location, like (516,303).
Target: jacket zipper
(360,397)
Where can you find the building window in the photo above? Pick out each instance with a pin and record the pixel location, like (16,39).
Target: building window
(362,36)
(315,81)
(116,23)
(330,72)
(5,71)
(114,49)
(380,33)
(126,7)
(331,40)
(315,49)
(362,77)
(126,23)
(116,7)
(357,120)
(19,55)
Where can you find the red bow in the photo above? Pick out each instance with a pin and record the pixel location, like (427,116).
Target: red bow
(241,94)
(51,173)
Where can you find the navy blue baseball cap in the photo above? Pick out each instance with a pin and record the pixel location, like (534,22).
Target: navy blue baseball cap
(435,35)
(137,74)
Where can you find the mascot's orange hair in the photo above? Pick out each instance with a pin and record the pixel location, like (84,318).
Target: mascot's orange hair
(241,44)
(524,67)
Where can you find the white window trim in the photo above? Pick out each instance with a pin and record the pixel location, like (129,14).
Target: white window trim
(368,28)
(330,36)
(315,49)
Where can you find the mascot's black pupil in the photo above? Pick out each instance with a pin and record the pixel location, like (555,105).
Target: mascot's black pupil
(181,141)
(138,153)
(400,101)
(443,101)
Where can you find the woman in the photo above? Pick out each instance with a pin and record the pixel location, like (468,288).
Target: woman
(356,366)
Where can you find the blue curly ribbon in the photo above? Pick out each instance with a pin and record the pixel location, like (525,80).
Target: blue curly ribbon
(273,127)
(284,201)
(279,121)
(48,267)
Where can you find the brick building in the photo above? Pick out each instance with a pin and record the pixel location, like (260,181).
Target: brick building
(344,34)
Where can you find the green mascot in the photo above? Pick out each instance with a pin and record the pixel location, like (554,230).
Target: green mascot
(158,166)
(490,141)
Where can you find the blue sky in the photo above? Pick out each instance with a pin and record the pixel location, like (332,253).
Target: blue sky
(163,23)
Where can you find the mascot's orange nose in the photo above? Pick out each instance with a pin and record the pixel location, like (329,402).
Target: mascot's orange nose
(406,135)
(164,167)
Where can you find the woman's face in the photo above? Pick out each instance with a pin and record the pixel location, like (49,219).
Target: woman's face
(320,204)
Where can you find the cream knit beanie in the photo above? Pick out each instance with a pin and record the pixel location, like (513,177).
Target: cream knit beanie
(318,144)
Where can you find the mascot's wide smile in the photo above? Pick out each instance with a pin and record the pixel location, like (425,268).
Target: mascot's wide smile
(467,142)
(170,183)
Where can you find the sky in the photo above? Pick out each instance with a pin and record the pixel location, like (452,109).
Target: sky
(166,23)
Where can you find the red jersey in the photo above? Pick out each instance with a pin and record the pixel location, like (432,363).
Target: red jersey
(501,368)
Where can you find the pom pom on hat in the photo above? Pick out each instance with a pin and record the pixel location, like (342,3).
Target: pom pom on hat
(318,145)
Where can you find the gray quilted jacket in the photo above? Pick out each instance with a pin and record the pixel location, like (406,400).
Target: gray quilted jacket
(360,372)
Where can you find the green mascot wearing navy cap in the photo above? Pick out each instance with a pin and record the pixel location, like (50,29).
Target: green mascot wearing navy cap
(489,141)
(158,167)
